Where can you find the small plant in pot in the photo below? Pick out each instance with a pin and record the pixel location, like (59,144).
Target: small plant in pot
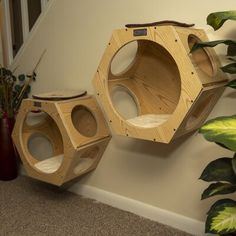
(221,217)
(13,89)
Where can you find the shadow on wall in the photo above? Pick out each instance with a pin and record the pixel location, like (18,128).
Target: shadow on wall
(227,31)
(231,95)
(149,148)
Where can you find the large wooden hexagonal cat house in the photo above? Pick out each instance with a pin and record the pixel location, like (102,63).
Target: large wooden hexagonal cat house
(151,68)
(59,140)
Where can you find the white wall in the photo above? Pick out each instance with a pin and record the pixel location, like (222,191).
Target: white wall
(75,34)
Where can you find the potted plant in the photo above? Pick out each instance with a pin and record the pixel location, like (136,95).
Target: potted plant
(13,89)
(221,218)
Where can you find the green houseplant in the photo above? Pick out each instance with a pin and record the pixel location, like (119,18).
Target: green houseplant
(13,89)
(221,218)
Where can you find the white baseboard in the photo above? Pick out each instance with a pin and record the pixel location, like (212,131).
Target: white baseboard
(139,208)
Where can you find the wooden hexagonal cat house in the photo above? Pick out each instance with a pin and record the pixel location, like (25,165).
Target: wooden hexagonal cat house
(151,68)
(59,140)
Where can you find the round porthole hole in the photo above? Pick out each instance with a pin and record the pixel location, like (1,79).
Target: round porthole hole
(84,121)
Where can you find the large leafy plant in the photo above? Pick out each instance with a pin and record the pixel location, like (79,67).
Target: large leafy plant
(221,218)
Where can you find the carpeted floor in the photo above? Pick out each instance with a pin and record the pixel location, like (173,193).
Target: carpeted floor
(32,208)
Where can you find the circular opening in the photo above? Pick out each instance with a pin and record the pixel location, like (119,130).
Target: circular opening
(40,147)
(149,89)
(201,58)
(84,121)
(43,142)
(124,58)
(124,102)
(86,160)
(198,113)
(35,118)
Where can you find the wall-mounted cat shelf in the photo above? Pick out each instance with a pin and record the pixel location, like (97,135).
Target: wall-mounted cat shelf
(75,131)
(173,90)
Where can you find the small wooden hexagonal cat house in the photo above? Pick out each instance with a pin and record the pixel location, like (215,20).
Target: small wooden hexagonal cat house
(59,140)
(151,68)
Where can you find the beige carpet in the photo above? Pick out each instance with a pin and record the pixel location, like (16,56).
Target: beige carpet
(32,208)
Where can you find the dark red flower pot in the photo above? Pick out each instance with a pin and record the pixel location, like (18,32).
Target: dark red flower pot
(8,162)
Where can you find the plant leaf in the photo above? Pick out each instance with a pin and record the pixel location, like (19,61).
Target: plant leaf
(3,71)
(34,76)
(222,145)
(217,19)
(231,51)
(219,170)
(232,84)
(17,87)
(230,68)
(14,78)
(218,188)
(222,217)
(232,59)
(8,72)
(21,77)
(234,163)
(221,130)
(219,203)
